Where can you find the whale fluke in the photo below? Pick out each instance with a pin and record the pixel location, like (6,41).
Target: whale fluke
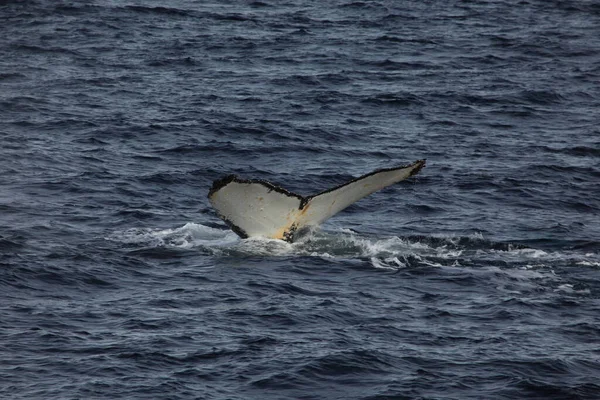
(257,208)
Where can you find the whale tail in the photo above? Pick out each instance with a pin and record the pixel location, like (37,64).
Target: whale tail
(257,208)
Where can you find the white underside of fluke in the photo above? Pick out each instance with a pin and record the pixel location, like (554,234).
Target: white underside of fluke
(255,208)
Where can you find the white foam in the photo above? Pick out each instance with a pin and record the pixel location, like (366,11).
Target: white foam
(587,263)
(388,263)
(188,236)
(265,247)
(386,253)
(395,246)
(528,253)
(570,289)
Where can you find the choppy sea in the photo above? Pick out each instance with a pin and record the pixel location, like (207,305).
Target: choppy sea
(477,279)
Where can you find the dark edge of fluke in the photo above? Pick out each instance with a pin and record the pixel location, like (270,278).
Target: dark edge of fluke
(221,183)
(412,173)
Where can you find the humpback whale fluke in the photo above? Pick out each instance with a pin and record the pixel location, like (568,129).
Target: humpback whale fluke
(257,208)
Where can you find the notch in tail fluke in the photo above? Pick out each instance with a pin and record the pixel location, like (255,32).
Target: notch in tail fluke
(257,208)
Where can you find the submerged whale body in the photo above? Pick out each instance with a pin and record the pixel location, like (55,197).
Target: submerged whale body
(257,208)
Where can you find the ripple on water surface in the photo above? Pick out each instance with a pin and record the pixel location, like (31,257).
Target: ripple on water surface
(476,279)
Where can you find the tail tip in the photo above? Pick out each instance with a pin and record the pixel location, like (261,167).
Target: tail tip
(418,165)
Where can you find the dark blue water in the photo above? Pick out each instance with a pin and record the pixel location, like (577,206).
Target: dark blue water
(479,278)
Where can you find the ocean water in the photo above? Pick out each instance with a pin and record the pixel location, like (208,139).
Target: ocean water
(477,279)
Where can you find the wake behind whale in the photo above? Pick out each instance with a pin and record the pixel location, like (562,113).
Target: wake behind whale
(257,208)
